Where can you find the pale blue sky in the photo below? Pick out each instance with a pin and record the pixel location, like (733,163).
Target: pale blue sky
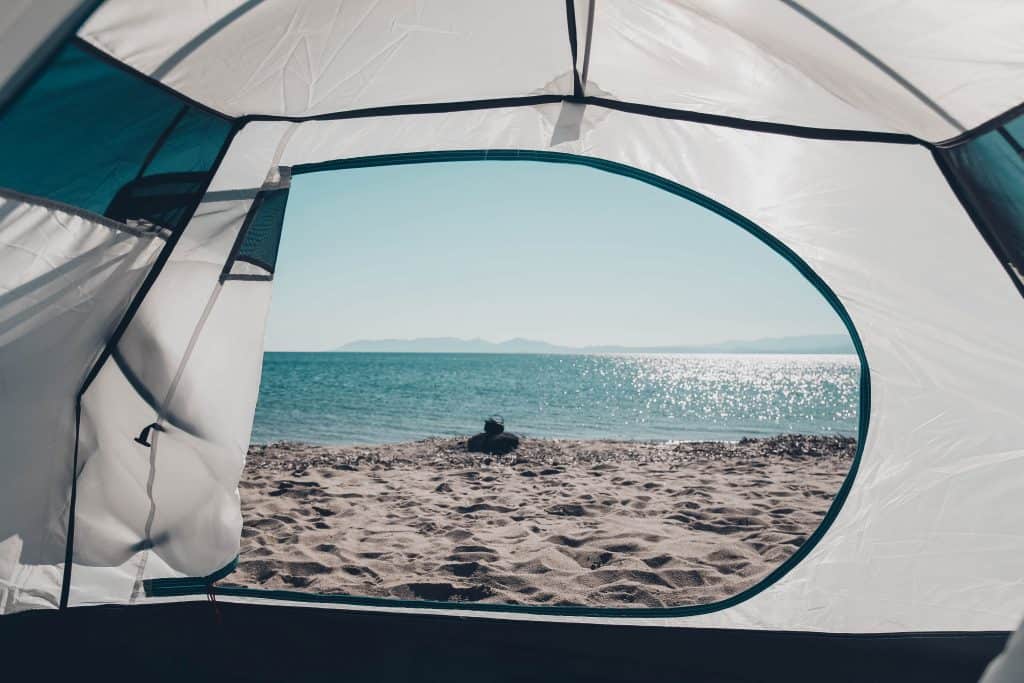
(498,249)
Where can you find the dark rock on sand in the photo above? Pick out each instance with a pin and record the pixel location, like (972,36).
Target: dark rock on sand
(500,444)
(494,440)
(494,425)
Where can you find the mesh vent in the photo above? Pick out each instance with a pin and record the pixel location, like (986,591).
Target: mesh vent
(263,234)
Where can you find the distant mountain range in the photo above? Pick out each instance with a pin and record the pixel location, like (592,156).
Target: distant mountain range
(815,343)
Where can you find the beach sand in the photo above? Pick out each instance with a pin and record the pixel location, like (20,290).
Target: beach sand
(558,522)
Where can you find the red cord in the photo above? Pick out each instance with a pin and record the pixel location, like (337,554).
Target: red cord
(213,601)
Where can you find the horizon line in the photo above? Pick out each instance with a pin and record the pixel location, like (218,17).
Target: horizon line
(507,340)
(832,343)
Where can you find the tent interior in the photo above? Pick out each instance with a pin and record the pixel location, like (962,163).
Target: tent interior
(149,149)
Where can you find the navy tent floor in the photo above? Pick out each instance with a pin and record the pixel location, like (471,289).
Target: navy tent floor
(197,641)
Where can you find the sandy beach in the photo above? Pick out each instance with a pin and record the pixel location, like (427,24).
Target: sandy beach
(557,522)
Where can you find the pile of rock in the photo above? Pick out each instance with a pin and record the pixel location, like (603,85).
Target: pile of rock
(494,440)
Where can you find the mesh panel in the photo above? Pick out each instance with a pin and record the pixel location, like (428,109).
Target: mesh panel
(263,235)
(86,129)
(157,200)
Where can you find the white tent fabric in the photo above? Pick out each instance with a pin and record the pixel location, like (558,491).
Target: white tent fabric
(196,346)
(24,26)
(964,54)
(760,60)
(63,275)
(930,537)
(317,58)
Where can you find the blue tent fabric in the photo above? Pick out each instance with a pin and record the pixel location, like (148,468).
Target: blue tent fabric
(990,171)
(86,129)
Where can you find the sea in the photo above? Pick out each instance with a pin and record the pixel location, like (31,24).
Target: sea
(374,398)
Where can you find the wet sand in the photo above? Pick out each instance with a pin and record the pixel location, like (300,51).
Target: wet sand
(558,522)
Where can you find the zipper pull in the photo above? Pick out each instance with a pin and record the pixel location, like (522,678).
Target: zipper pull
(143,437)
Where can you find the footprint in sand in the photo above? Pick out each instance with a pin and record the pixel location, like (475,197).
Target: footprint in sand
(592,559)
(470,552)
(463,569)
(261,570)
(566,541)
(441,592)
(296,581)
(623,548)
(658,561)
(353,570)
(566,510)
(470,509)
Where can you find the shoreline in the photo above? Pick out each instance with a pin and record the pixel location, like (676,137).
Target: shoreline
(556,522)
(286,443)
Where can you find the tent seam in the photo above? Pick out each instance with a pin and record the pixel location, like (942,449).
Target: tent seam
(870,57)
(92,217)
(794,130)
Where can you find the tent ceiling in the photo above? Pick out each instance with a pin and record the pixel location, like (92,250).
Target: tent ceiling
(930,69)
(308,58)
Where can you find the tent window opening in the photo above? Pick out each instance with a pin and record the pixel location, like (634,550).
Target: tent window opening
(502,391)
(92,135)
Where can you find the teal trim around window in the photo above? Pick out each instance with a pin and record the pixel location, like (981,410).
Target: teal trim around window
(188,585)
(174,587)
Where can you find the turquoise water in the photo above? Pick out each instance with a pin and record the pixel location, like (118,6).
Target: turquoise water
(340,398)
